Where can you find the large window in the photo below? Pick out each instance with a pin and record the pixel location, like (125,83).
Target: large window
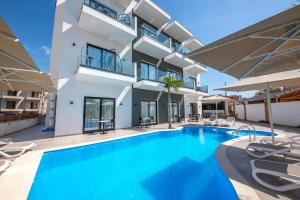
(99,114)
(148,110)
(174,110)
(100,58)
(148,71)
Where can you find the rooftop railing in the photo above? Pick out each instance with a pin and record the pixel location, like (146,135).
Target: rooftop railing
(161,37)
(108,63)
(123,18)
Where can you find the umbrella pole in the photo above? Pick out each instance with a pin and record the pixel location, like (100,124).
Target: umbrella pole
(270,112)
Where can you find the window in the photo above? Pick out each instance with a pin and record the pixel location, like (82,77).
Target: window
(11,104)
(100,58)
(148,71)
(12,93)
(173,74)
(149,110)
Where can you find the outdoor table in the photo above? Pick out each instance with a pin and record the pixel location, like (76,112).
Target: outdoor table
(102,123)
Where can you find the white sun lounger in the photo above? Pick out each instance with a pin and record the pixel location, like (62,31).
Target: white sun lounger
(259,150)
(229,122)
(27,146)
(289,172)
(210,121)
(12,152)
(4,164)
(282,141)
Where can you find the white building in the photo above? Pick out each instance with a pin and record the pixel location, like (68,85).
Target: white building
(108,61)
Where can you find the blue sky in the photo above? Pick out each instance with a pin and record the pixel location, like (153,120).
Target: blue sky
(208,20)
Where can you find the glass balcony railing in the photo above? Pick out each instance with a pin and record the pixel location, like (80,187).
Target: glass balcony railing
(157,75)
(123,18)
(202,89)
(106,62)
(161,38)
(189,83)
(181,50)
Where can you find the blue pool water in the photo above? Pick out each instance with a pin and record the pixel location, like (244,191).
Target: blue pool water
(163,165)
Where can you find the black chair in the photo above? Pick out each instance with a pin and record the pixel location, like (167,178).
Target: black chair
(143,122)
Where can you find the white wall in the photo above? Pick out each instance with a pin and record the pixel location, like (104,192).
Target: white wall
(14,126)
(64,62)
(255,112)
(286,113)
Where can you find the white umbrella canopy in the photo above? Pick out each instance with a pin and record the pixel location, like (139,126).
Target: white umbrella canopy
(17,69)
(281,79)
(215,99)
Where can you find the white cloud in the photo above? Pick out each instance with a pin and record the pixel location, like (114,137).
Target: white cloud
(47,50)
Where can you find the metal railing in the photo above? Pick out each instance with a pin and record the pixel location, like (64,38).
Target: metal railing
(110,63)
(123,18)
(250,128)
(161,37)
(180,49)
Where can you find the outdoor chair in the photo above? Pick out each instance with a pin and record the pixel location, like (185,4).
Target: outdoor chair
(282,141)
(4,164)
(228,122)
(290,173)
(259,150)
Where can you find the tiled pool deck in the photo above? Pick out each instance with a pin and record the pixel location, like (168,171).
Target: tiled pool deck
(16,181)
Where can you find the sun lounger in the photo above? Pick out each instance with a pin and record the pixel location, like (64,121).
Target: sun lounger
(218,122)
(4,164)
(290,173)
(27,146)
(12,152)
(211,121)
(229,122)
(282,141)
(259,150)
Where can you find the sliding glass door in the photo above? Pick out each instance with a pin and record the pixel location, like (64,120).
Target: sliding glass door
(149,110)
(99,114)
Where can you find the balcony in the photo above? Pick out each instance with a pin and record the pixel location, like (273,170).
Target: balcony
(153,44)
(12,97)
(151,13)
(100,19)
(202,89)
(153,80)
(33,98)
(177,31)
(108,70)
(178,58)
(195,68)
(192,44)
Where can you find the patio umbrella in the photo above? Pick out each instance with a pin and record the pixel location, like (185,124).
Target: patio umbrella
(215,99)
(17,69)
(267,47)
(281,79)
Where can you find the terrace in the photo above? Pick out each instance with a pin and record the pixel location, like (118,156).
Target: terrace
(228,155)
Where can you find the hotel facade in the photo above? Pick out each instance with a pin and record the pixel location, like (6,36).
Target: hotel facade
(109,58)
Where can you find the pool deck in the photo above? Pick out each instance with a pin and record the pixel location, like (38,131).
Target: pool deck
(15,183)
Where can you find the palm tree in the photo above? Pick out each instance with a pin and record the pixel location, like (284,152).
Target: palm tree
(171,83)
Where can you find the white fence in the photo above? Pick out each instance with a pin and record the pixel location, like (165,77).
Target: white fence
(284,113)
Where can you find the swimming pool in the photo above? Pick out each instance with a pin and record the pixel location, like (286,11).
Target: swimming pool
(177,164)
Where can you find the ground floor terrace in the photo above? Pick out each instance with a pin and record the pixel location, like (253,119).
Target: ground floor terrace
(235,162)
